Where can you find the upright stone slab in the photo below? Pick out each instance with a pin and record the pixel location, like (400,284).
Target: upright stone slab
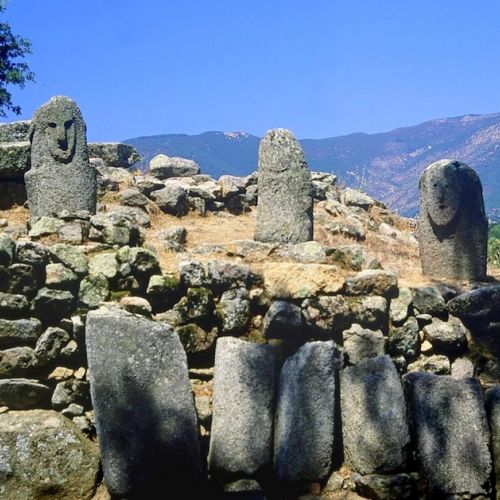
(304,422)
(452,226)
(61,177)
(243,407)
(493,408)
(145,414)
(374,424)
(450,434)
(284,208)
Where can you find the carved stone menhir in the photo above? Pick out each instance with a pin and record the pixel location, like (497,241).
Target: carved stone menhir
(284,209)
(61,177)
(452,226)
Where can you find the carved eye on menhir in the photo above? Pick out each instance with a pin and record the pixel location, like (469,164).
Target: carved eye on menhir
(67,124)
(52,124)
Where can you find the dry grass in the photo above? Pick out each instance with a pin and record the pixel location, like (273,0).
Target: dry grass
(400,256)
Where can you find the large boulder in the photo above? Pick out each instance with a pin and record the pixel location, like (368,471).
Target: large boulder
(145,414)
(374,424)
(450,434)
(14,159)
(305,413)
(45,455)
(164,167)
(243,406)
(114,154)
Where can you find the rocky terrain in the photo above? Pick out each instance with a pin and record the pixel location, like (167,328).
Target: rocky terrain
(173,250)
(385,165)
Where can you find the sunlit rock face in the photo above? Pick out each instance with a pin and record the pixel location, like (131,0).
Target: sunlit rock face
(60,177)
(453,228)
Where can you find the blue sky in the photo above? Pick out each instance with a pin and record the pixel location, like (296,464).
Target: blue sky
(320,67)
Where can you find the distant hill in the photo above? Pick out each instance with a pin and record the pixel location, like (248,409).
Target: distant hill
(386,165)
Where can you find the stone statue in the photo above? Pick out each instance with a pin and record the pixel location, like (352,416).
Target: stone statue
(285,204)
(61,177)
(452,226)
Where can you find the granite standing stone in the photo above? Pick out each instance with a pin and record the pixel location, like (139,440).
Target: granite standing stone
(241,439)
(450,434)
(493,407)
(285,204)
(145,413)
(374,424)
(452,226)
(304,423)
(61,177)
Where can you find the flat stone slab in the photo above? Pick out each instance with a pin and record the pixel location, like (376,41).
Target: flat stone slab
(14,159)
(45,455)
(114,154)
(244,383)
(374,424)
(304,422)
(450,433)
(145,414)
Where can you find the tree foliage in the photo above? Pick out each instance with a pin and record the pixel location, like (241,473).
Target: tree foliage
(13,71)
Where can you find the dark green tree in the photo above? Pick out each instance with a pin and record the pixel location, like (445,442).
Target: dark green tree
(13,71)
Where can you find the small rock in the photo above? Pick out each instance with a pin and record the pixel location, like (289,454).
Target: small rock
(437,364)
(71,391)
(50,344)
(404,340)
(462,368)
(93,290)
(60,277)
(173,238)
(446,336)
(361,343)
(53,305)
(172,199)
(400,306)
(163,167)
(373,282)
(13,305)
(133,198)
(136,305)
(283,320)
(428,300)
(233,310)
(23,394)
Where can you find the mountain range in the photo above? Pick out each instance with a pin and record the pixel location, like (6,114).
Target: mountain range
(385,165)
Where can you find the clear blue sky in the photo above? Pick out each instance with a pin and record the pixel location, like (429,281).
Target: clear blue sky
(320,67)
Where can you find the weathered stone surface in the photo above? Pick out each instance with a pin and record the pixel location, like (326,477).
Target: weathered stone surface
(133,198)
(50,344)
(195,339)
(94,289)
(355,198)
(374,425)
(437,363)
(400,486)
(52,305)
(173,238)
(19,332)
(477,304)
(31,253)
(15,131)
(243,404)
(23,394)
(104,263)
(373,282)
(7,249)
(400,306)
(71,391)
(284,207)
(284,280)
(114,154)
(282,320)
(14,159)
(17,362)
(58,145)
(462,368)
(172,199)
(44,455)
(451,434)
(306,252)
(13,305)
(452,227)
(164,167)
(428,300)
(361,343)
(136,305)
(145,415)
(304,422)
(223,274)
(492,398)
(61,277)
(233,310)
(70,256)
(447,336)
(404,340)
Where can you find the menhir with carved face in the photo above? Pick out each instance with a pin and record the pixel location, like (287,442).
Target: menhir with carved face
(452,222)
(61,177)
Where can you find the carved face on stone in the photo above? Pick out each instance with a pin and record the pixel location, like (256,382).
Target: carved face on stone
(56,131)
(442,191)
(61,138)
